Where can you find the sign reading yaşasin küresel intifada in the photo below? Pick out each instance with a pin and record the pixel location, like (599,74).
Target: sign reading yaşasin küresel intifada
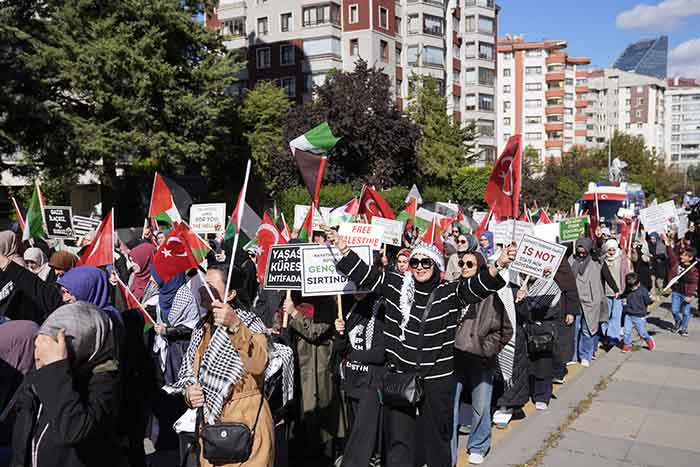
(283,268)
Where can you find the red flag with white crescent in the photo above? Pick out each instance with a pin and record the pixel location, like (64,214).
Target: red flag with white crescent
(267,236)
(503,189)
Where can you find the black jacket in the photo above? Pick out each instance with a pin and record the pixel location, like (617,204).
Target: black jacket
(42,297)
(65,420)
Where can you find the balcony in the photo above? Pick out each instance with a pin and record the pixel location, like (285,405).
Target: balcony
(580,133)
(457,12)
(581,104)
(457,117)
(554,93)
(582,89)
(555,76)
(554,59)
(456,90)
(580,118)
(456,64)
(554,110)
(456,40)
(553,127)
(554,143)
(399,73)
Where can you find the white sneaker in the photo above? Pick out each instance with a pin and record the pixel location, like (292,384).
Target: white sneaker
(502,417)
(585,363)
(572,362)
(541,405)
(475,458)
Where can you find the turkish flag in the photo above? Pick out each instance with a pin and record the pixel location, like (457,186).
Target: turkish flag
(175,255)
(503,189)
(100,252)
(267,236)
(372,204)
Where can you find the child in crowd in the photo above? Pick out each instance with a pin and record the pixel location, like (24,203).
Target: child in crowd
(637,298)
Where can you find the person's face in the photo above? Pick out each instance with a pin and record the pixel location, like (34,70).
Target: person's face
(59,272)
(469,266)
(581,252)
(612,251)
(652,239)
(31,265)
(402,264)
(455,233)
(217,284)
(462,241)
(484,242)
(422,268)
(686,258)
(67,296)
(161,239)
(319,240)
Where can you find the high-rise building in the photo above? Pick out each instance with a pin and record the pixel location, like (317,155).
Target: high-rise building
(541,95)
(683,119)
(627,102)
(296,43)
(648,57)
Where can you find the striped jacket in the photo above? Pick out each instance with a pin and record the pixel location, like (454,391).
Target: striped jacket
(441,323)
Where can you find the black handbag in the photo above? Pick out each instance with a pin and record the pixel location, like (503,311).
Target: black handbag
(406,389)
(540,339)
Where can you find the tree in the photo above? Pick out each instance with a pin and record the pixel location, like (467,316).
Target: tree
(134,83)
(263,113)
(444,145)
(469,185)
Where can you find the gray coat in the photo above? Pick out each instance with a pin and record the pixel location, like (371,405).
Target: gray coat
(591,294)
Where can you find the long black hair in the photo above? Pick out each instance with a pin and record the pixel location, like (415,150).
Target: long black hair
(241,300)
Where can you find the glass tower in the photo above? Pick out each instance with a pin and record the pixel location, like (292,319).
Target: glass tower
(647,57)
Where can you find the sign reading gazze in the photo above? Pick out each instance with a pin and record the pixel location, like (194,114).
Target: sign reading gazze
(536,256)
(318,273)
(59,222)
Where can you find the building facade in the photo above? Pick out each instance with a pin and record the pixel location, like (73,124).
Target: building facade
(648,57)
(683,120)
(296,43)
(541,95)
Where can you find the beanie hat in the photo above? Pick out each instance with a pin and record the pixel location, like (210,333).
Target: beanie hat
(431,252)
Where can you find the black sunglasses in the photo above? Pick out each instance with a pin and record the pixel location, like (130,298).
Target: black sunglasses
(469,264)
(462,241)
(427,263)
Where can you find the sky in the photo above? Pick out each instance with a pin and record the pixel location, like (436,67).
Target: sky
(601,29)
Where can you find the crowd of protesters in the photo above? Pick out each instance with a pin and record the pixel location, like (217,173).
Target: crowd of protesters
(85,381)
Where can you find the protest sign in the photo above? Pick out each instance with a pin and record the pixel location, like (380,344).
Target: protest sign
(319,219)
(362,234)
(503,231)
(428,215)
(283,268)
(682,222)
(208,218)
(59,222)
(393,230)
(84,225)
(547,232)
(535,256)
(318,273)
(572,229)
(658,217)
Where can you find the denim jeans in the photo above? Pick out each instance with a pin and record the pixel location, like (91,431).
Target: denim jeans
(680,310)
(639,322)
(577,332)
(588,342)
(611,329)
(479,381)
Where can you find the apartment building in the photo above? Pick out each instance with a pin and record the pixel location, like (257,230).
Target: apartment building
(683,120)
(297,42)
(541,94)
(627,102)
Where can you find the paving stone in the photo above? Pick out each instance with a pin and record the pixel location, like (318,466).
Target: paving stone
(612,420)
(679,400)
(630,393)
(650,455)
(580,442)
(671,430)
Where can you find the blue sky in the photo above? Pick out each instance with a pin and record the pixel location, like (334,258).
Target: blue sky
(601,29)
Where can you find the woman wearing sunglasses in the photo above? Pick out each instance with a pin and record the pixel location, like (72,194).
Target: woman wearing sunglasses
(406,296)
(465,243)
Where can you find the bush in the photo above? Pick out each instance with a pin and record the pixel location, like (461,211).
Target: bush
(469,184)
(433,194)
(331,196)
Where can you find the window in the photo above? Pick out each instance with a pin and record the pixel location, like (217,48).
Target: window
(569,81)
(508,56)
(554,119)
(234,27)
(286,22)
(486,102)
(397,21)
(485,51)
(470,101)
(486,128)
(384,50)
(398,56)
(455,51)
(506,136)
(533,120)
(323,46)
(638,114)
(262,26)
(412,54)
(533,136)
(413,26)
(263,58)
(506,121)
(533,86)
(485,25)
(432,56)
(506,106)
(432,25)
(321,14)
(486,76)
(383,18)
(470,76)
(506,89)
(287,55)
(506,72)
(533,53)
(533,103)
(470,23)
(533,70)
(353,14)
(568,126)
(640,101)
(354,47)
(470,50)
(289,86)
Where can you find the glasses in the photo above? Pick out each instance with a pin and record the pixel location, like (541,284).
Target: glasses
(462,242)
(468,264)
(426,263)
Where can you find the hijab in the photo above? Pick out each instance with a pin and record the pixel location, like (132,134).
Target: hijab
(488,251)
(63,260)
(579,264)
(39,258)
(656,248)
(142,256)
(90,284)
(8,247)
(89,335)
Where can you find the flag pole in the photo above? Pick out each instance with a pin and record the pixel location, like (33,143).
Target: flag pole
(241,208)
(20,219)
(113,245)
(143,310)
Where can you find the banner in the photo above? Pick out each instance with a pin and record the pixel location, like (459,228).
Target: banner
(574,228)
(547,232)
(535,256)
(658,217)
(84,225)
(318,273)
(59,222)
(503,231)
(393,230)
(300,214)
(208,218)
(284,267)
(362,234)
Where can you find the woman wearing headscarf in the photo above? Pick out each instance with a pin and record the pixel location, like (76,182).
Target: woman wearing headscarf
(401,263)
(62,262)
(67,409)
(224,367)
(36,261)
(422,435)
(659,260)
(618,265)
(90,284)
(465,243)
(141,257)
(486,245)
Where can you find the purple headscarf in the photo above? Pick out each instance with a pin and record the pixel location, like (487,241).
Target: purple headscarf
(90,284)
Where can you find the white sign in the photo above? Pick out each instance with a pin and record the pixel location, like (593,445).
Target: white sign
(658,217)
(503,231)
(393,230)
(319,275)
(535,256)
(428,215)
(414,193)
(682,222)
(208,218)
(300,211)
(548,232)
(362,234)
(478,216)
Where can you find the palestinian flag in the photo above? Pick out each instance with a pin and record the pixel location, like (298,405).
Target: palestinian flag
(344,214)
(132,303)
(168,200)
(34,221)
(409,216)
(100,252)
(284,228)
(544,217)
(433,235)
(18,213)
(307,227)
(232,228)
(309,151)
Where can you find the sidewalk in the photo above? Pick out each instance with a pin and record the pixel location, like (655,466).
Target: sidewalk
(636,409)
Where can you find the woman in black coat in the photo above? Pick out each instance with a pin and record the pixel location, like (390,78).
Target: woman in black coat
(67,409)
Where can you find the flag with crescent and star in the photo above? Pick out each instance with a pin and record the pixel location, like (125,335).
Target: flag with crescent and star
(267,236)
(372,204)
(100,252)
(503,189)
(181,250)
